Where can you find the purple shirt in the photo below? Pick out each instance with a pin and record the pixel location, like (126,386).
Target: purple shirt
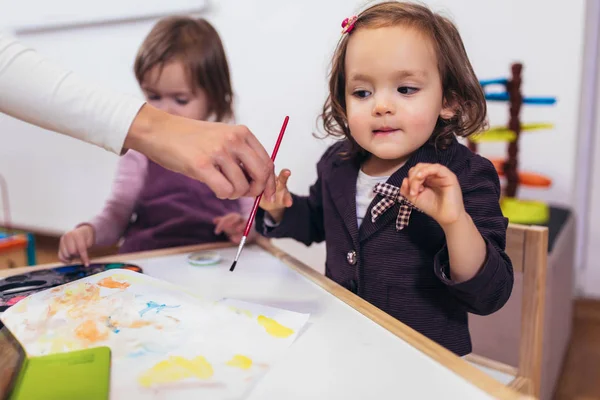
(172,206)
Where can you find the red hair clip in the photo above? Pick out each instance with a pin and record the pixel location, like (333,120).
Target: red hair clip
(348,24)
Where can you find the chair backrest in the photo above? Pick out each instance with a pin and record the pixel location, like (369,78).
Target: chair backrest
(500,340)
(527,246)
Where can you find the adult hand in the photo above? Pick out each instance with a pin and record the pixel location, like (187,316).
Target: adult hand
(228,158)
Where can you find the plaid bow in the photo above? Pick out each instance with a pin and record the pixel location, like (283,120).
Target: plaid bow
(391,194)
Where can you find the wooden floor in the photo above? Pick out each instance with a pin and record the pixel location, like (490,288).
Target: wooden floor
(580,378)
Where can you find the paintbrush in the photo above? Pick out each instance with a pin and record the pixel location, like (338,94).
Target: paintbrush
(257,201)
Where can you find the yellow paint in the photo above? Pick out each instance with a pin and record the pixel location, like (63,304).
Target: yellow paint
(21,306)
(274,328)
(112,284)
(80,293)
(176,368)
(240,361)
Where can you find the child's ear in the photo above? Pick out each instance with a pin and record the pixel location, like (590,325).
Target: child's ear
(449,107)
(447,113)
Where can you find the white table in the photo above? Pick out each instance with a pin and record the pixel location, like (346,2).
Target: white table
(349,349)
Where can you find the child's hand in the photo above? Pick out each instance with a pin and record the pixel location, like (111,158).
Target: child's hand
(435,190)
(283,198)
(74,244)
(233,225)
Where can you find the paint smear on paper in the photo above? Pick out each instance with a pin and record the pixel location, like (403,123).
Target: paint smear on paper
(240,361)
(89,332)
(175,369)
(110,283)
(154,306)
(236,310)
(274,328)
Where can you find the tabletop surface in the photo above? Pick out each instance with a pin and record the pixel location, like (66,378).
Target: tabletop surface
(341,353)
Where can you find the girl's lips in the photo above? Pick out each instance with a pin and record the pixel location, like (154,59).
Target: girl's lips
(383,131)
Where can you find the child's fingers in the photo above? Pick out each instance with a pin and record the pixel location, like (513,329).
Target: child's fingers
(282,179)
(288,201)
(239,226)
(70,245)
(430,174)
(281,193)
(224,224)
(404,189)
(217,222)
(89,239)
(437,175)
(416,179)
(220,223)
(82,249)
(63,258)
(63,253)
(236,238)
(236,227)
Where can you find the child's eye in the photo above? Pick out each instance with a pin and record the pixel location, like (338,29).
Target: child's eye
(182,102)
(361,94)
(407,90)
(153,97)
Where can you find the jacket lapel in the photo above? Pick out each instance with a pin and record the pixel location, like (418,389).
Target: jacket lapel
(342,188)
(426,154)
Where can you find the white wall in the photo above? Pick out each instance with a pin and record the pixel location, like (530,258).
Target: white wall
(279,52)
(588,164)
(54,182)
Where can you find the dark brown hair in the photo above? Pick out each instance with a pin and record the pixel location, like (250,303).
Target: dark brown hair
(460,87)
(197,44)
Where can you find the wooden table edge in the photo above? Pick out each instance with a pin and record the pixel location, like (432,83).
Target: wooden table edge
(427,346)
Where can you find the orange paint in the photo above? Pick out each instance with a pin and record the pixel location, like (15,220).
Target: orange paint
(139,324)
(112,284)
(81,293)
(89,331)
(52,310)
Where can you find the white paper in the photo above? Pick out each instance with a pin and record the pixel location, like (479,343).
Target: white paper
(165,342)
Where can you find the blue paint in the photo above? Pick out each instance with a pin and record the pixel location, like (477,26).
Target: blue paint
(137,354)
(151,305)
(111,326)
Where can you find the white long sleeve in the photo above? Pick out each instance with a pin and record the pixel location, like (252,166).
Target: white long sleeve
(43,93)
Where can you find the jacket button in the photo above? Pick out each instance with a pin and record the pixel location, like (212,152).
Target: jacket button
(352,286)
(351,257)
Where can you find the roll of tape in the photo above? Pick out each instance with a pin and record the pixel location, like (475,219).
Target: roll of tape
(203,258)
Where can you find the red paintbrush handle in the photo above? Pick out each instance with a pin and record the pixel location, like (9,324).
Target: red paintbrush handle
(252,215)
(258,198)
